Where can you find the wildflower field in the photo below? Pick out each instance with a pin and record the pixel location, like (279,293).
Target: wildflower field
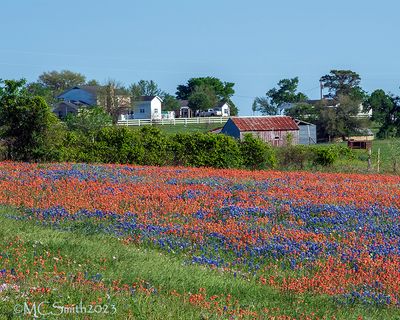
(133,242)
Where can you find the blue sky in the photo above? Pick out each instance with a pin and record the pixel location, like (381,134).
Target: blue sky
(252,43)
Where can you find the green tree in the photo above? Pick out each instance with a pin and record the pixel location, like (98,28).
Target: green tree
(26,123)
(202,98)
(38,89)
(222,90)
(343,83)
(170,103)
(386,111)
(304,111)
(89,121)
(145,88)
(263,105)
(93,82)
(341,120)
(285,93)
(60,81)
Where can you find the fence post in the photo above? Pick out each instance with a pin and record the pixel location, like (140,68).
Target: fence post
(139,122)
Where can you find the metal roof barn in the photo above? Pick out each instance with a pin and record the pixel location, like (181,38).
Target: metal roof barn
(271,129)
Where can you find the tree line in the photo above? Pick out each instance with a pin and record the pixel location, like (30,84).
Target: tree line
(344,91)
(29,131)
(202,93)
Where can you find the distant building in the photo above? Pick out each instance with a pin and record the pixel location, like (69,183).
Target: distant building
(222,109)
(185,111)
(75,98)
(307,132)
(147,107)
(272,129)
(328,103)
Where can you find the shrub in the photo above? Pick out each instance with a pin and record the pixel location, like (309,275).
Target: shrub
(294,156)
(257,154)
(325,156)
(206,150)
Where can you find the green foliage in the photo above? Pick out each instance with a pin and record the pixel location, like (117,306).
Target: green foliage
(203,98)
(170,103)
(156,146)
(145,88)
(285,93)
(294,157)
(341,120)
(223,90)
(263,105)
(206,92)
(325,156)
(343,83)
(39,89)
(386,111)
(59,81)
(27,125)
(257,154)
(206,150)
(89,121)
(304,111)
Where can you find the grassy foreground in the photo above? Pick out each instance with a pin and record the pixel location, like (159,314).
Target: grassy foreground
(64,269)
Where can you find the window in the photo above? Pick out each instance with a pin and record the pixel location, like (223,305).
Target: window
(155,110)
(141,110)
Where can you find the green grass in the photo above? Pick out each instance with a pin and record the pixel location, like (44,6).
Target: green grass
(359,163)
(80,256)
(190,128)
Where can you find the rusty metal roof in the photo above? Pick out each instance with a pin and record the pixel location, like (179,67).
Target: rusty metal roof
(277,123)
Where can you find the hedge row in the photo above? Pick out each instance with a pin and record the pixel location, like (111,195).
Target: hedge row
(149,146)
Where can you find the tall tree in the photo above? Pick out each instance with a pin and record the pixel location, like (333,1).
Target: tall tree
(93,82)
(223,90)
(89,121)
(263,105)
(38,89)
(341,120)
(114,98)
(202,98)
(386,111)
(25,122)
(170,103)
(342,83)
(286,92)
(145,88)
(59,81)
(304,111)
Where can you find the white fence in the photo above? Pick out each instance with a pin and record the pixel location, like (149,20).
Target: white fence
(184,121)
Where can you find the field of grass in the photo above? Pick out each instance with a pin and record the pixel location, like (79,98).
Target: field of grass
(190,128)
(128,242)
(389,151)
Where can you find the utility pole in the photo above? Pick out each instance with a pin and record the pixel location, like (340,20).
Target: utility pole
(321,86)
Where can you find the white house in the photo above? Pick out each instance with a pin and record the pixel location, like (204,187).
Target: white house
(224,108)
(146,107)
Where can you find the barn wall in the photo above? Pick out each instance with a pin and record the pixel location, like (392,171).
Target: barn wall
(231,129)
(308,134)
(275,138)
